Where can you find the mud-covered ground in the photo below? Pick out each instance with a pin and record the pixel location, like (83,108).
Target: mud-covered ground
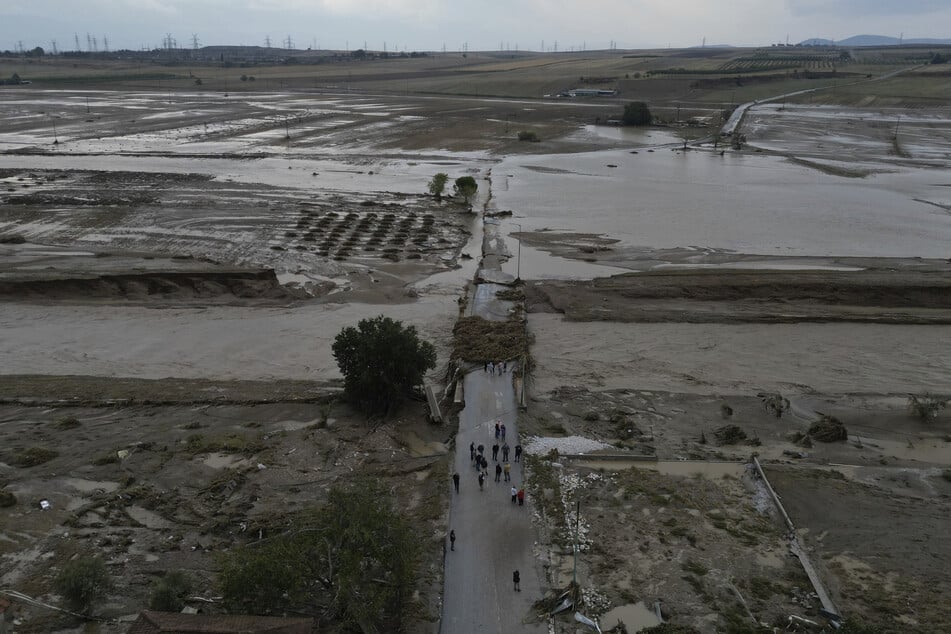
(159,476)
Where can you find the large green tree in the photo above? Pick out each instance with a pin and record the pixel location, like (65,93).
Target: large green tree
(354,560)
(466,187)
(381,361)
(636,113)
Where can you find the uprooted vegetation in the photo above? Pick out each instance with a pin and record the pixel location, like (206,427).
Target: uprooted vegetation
(478,339)
(828,429)
(926,407)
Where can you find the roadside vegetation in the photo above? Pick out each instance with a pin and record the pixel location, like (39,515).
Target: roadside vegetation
(353,560)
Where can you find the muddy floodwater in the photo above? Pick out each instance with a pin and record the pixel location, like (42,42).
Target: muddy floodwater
(745,203)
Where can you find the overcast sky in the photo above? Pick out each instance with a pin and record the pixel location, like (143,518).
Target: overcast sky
(481,24)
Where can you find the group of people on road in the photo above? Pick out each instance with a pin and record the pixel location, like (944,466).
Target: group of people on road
(498,367)
(503,468)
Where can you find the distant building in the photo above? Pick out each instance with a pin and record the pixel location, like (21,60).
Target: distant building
(151,622)
(591,92)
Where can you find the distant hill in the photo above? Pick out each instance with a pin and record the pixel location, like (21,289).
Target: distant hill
(873,40)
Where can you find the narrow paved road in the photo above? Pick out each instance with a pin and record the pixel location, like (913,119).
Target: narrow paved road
(493,536)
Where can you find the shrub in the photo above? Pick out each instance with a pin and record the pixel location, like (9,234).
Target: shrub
(729,435)
(828,429)
(82,582)
(32,456)
(7,499)
(528,135)
(168,593)
(359,549)
(69,422)
(926,407)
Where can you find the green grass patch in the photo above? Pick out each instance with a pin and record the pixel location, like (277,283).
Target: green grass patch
(32,456)
(234,443)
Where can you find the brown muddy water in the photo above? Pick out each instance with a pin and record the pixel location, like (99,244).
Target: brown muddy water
(742,202)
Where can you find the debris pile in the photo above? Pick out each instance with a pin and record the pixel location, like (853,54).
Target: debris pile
(828,429)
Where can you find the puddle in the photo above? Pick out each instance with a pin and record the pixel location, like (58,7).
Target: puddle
(930,450)
(147,518)
(293,425)
(635,616)
(222,461)
(685,468)
(770,266)
(90,486)
(541,265)
(419,447)
(562,570)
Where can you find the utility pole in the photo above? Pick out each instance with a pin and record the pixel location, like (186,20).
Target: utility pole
(194,41)
(55,52)
(574,571)
(518,259)
(76,37)
(897,123)
(105,43)
(267,41)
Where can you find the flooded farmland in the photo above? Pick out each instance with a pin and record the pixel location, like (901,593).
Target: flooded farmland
(164,248)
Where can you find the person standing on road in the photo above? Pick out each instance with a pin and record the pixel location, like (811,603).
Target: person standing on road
(505,366)
(518,452)
(481,449)
(455,481)
(495,451)
(505,452)
(481,480)
(508,472)
(503,432)
(515,579)
(452,540)
(514,495)
(485,368)
(498,472)
(485,467)
(471,451)
(521,497)
(497,430)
